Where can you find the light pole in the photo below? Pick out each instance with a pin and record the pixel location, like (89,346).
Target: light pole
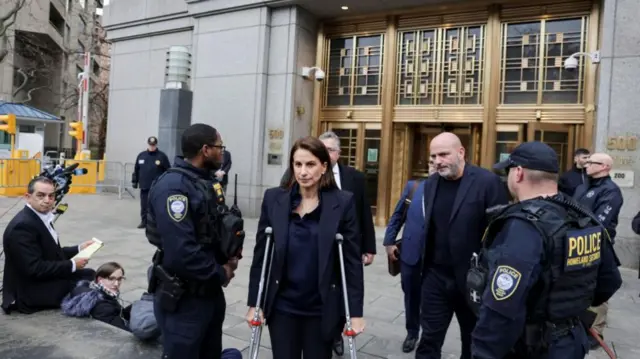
(175,100)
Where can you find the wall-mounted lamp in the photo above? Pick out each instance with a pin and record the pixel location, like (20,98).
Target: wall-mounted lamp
(178,69)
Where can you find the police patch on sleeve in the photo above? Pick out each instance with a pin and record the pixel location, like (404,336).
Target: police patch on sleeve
(177,206)
(505,282)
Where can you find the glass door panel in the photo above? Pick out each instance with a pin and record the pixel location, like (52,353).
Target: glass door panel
(348,134)
(557,136)
(508,137)
(371,163)
(422,136)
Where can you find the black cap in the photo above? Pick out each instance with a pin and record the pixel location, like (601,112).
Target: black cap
(535,156)
(152,141)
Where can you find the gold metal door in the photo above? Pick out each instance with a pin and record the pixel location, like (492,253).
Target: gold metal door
(558,136)
(422,136)
(360,148)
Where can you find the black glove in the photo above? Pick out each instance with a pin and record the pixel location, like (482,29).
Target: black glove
(134,185)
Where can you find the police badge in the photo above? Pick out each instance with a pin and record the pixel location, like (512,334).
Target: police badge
(157,162)
(505,282)
(177,206)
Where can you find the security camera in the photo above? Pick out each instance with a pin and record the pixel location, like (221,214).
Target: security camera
(571,63)
(316,73)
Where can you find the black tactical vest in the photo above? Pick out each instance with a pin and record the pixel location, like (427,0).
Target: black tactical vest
(217,228)
(572,240)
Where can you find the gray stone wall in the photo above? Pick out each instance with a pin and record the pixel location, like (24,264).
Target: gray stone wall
(618,111)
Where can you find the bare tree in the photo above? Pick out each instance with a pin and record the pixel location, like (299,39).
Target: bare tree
(43,68)
(6,21)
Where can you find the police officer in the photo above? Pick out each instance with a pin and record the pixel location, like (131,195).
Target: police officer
(149,165)
(189,268)
(603,197)
(545,238)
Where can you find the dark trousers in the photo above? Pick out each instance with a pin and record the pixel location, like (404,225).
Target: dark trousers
(295,337)
(574,344)
(194,330)
(410,279)
(441,298)
(144,204)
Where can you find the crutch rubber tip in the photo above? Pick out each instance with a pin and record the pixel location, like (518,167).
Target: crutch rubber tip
(350,332)
(256,323)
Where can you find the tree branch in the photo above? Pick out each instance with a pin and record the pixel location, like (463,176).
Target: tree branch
(29,98)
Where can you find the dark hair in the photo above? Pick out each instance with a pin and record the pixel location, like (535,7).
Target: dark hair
(196,136)
(319,150)
(580,152)
(107,269)
(31,187)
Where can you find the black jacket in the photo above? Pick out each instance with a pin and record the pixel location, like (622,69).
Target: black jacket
(603,197)
(571,179)
(353,181)
(337,215)
(37,271)
(84,301)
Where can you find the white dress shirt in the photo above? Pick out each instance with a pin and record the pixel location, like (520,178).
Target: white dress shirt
(47,219)
(336,175)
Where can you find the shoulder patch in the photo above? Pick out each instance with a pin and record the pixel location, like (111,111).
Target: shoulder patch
(177,206)
(583,248)
(505,282)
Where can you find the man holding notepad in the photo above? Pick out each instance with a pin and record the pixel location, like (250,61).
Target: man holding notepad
(38,272)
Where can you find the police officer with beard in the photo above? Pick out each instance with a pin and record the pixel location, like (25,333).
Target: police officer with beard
(545,261)
(191,266)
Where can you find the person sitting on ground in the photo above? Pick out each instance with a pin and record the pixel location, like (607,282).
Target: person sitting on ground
(100,298)
(38,272)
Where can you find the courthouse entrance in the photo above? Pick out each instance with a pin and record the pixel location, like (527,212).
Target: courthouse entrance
(491,73)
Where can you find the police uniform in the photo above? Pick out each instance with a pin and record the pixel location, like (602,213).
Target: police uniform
(189,302)
(527,247)
(148,166)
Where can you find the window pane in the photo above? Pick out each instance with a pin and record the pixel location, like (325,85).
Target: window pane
(520,62)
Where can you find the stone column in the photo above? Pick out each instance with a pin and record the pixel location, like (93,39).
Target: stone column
(175,117)
(618,115)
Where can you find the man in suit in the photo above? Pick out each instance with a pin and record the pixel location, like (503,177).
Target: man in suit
(223,173)
(38,273)
(455,201)
(410,213)
(352,180)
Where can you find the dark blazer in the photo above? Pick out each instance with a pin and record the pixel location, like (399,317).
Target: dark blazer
(479,190)
(413,233)
(226,167)
(37,271)
(353,181)
(337,216)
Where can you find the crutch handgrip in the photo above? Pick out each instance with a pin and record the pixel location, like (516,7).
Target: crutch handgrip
(256,323)
(350,332)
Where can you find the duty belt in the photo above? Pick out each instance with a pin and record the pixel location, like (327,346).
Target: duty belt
(562,327)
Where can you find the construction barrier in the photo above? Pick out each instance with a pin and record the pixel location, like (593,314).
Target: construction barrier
(15,174)
(101,176)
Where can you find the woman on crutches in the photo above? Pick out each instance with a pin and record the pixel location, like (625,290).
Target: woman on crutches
(302,293)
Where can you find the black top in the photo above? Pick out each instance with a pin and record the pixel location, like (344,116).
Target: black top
(299,290)
(438,240)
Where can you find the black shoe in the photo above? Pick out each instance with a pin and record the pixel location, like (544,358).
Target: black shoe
(338,346)
(142,225)
(409,343)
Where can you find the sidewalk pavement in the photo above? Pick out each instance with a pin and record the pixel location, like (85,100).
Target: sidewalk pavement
(114,222)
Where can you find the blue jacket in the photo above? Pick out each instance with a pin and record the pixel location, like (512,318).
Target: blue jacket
(413,234)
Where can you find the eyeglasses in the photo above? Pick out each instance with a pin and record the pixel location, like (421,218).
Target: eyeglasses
(117,279)
(221,147)
(593,163)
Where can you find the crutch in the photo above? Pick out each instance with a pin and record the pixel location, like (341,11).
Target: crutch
(350,333)
(256,323)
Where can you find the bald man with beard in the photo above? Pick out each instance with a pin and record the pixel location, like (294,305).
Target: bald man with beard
(603,197)
(456,197)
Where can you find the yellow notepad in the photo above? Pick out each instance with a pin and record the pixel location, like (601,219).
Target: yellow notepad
(91,250)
